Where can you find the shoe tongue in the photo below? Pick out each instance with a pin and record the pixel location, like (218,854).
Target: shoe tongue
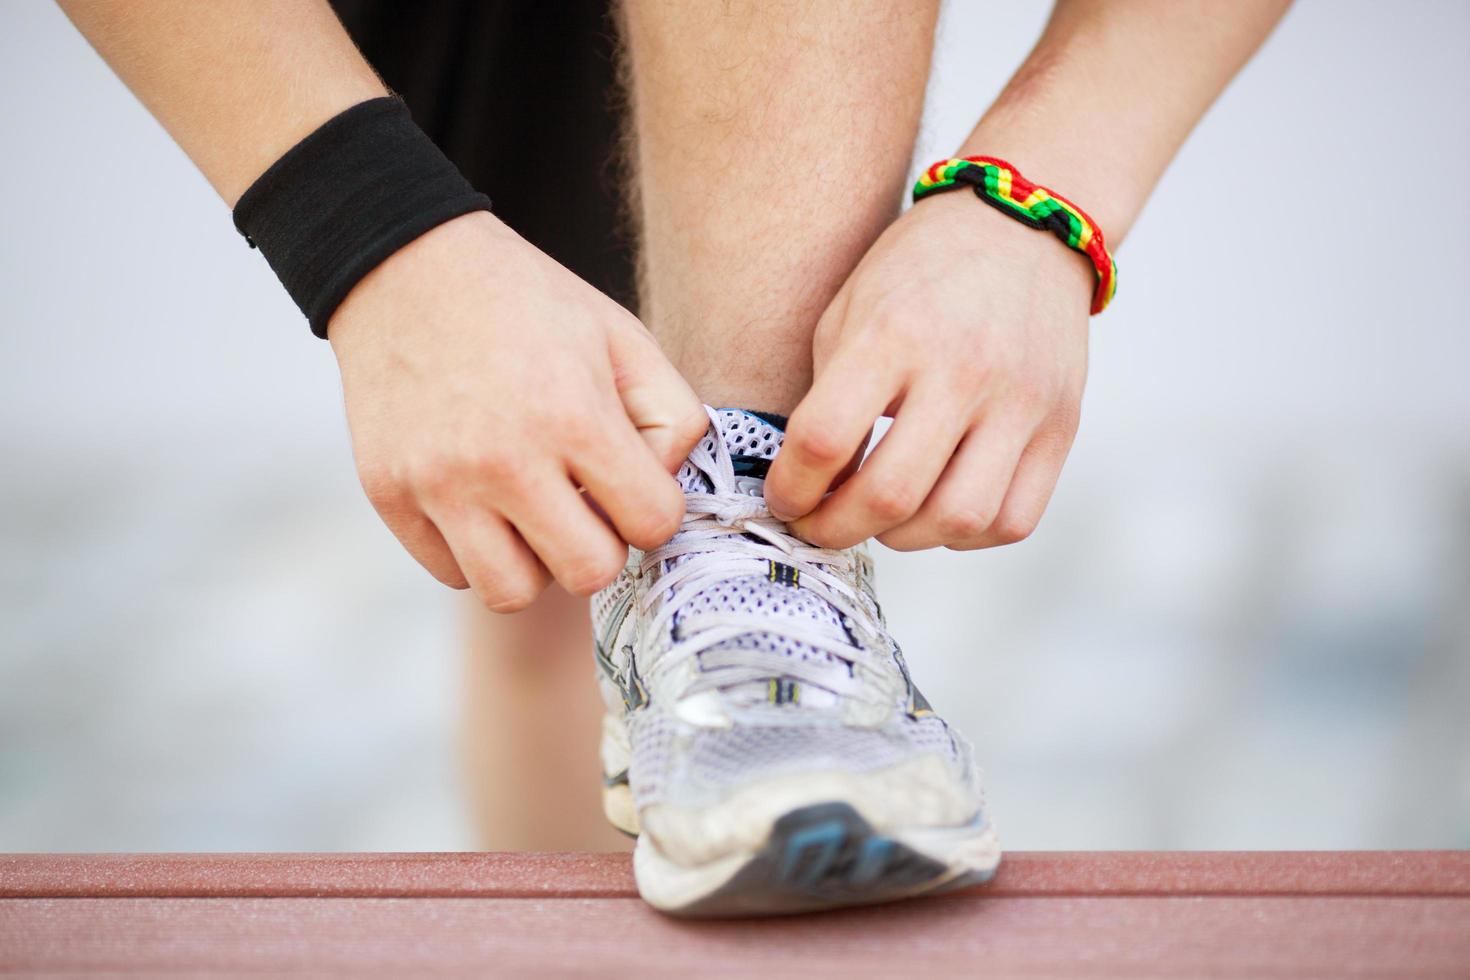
(752,438)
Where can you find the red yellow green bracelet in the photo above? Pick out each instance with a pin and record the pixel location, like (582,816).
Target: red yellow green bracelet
(999,184)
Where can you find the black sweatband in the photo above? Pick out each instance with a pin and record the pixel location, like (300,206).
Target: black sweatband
(342,200)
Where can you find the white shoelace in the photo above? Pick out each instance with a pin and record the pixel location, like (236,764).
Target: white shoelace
(728,534)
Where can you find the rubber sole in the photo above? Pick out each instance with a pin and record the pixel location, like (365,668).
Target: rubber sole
(818,857)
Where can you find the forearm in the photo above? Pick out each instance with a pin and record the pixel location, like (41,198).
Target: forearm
(1112,89)
(235,82)
(489,492)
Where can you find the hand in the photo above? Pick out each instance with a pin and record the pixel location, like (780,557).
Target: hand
(970,329)
(485,384)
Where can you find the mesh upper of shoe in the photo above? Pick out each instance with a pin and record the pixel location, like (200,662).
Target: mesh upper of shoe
(744,434)
(747,435)
(674,761)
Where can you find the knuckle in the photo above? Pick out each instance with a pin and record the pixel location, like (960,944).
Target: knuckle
(432,476)
(504,468)
(1067,417)
(644,531)
(901,323)
(383,488)
(901,542)
(819,446)
(1055,440)
(580,433)
(964,523)
(825,336)
(822,537)
(588,575)
(1011,528)
(892,500)
(1052,450)
(443,477)
(1034,396)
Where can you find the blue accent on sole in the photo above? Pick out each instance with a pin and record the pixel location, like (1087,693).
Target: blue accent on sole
(809,852)
(827,856)
(872,860)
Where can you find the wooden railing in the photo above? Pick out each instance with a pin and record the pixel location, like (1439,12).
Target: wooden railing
(1123,914)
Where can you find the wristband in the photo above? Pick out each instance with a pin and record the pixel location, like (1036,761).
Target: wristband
(999,184)
(359,188)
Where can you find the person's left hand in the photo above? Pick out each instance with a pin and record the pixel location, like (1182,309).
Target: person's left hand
(970,329)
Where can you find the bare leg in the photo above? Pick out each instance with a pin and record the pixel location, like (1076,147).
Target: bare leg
(770,149)
(772,142)
(532,725)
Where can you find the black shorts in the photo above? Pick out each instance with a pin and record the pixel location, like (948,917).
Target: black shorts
(523,98)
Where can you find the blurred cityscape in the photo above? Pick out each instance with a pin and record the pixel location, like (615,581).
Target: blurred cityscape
(1244,623)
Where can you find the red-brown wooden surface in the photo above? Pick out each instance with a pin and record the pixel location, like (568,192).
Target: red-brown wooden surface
(1368,914)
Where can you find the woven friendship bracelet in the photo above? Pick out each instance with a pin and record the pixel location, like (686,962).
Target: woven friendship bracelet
(997,183)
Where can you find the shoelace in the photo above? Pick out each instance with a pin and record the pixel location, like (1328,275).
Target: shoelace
(727,534)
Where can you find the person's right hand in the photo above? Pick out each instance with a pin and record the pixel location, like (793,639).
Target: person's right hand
(485,385)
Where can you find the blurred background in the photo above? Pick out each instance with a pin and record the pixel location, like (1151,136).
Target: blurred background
(1245,622)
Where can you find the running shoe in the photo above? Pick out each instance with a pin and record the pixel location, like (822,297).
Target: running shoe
(763,738)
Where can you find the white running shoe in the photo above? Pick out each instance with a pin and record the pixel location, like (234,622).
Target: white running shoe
(763,738)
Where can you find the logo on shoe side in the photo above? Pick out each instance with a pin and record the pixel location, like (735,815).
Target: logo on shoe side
(783,574)
(626,679)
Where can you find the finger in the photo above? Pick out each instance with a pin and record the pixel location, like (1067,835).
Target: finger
(629,483)
(969,494)
(655,396)
(505,574)
(829,428)
(893,482)
(416,532)
(576,545)
(1031,489)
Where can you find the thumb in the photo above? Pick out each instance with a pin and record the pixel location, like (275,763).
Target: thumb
(658,400)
